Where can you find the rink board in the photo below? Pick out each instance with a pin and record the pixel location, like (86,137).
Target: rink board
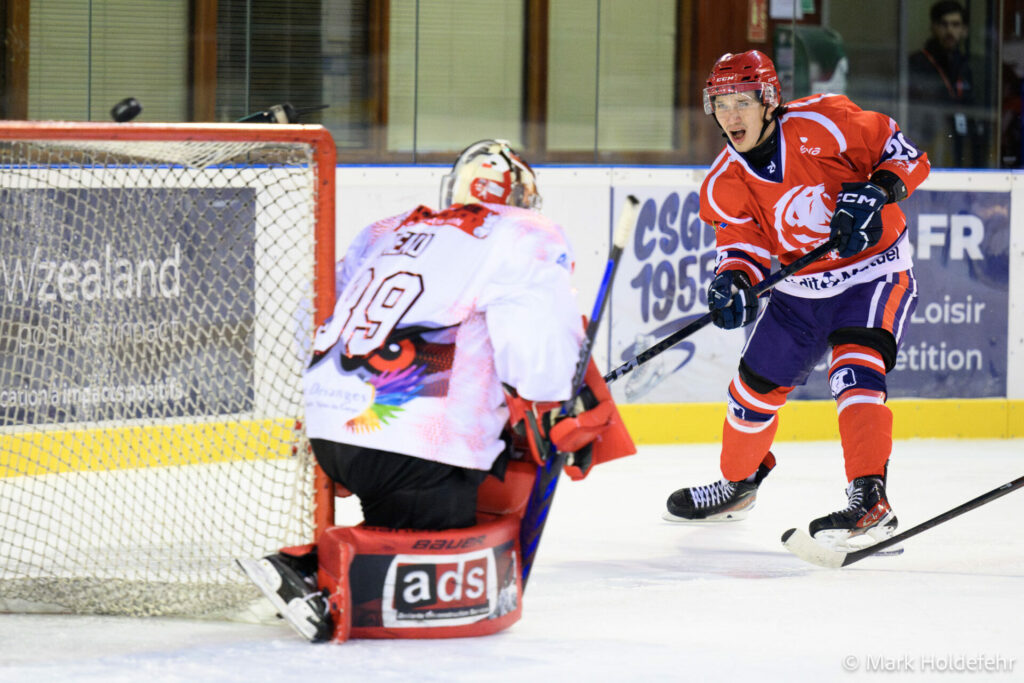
(961,370)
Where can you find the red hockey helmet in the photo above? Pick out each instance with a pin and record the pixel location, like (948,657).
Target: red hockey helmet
(747,71)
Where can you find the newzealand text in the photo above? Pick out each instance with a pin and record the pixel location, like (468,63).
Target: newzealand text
(108,276)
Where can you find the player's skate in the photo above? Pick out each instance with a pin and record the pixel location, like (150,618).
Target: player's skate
(292,589)
(722,501)
(867,519)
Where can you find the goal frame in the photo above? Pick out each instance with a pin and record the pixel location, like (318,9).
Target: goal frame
(324,154)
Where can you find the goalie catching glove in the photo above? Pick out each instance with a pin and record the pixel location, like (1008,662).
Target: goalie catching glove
(857,224)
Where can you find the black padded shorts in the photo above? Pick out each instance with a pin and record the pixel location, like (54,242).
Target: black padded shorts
(400,491)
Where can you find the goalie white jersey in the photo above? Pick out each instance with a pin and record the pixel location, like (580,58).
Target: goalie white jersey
(435,311)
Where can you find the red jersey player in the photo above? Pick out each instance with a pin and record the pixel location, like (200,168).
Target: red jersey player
(790,177)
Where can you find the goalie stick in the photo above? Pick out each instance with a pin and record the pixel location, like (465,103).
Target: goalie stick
(542,494)
(807,549)
(765,285)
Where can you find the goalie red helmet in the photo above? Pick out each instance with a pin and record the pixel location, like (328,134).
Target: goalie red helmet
(747,71)
(490,171)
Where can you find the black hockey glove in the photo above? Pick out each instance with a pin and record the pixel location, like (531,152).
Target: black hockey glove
(857,223)
(731,300)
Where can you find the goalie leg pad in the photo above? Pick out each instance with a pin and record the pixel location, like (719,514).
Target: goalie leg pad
(425,584)
(335,559)
(510,495)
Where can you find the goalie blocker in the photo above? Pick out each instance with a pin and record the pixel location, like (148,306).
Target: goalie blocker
(384,583)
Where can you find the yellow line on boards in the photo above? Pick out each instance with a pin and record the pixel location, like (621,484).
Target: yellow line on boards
(996,418)
(92,450)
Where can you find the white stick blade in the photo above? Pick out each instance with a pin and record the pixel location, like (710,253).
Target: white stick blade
(627,221)
(803,546)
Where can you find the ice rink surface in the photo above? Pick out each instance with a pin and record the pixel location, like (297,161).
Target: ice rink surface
(617,594)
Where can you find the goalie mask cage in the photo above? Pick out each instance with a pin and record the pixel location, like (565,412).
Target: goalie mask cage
(158,285)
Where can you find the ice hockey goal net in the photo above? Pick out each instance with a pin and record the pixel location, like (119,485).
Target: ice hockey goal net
(159,285)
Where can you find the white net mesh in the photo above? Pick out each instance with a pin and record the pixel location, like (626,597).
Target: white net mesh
(155,315)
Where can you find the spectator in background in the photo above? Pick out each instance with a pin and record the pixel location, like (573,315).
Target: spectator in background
(943,116)
(1012,152)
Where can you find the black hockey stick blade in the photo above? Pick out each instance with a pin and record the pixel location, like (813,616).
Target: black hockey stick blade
(538,506)
(679,335)
(807,549)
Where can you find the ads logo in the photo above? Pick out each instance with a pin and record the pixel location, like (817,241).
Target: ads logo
(447,590)
(802,216)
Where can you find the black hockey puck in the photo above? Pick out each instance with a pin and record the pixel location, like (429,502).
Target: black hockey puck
(126,110)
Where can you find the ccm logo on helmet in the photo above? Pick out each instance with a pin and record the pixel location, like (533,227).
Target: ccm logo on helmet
(444,589)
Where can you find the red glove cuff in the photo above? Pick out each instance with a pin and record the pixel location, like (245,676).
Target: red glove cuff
(573,433)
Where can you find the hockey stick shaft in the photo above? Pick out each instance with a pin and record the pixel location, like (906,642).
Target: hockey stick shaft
(539,504)
(679,335)
(809,550)
(623,229)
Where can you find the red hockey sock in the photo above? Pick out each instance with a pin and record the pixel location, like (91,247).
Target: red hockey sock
(743,450)
(866,433)
(750,427)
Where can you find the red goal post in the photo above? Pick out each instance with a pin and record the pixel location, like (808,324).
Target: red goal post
(159,286)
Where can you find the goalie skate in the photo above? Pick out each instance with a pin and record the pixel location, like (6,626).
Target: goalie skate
(867,519)
(294,595)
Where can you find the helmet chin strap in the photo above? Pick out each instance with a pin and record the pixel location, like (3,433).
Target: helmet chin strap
(766,122)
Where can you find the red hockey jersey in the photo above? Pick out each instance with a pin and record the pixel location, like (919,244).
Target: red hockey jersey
(783,209)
